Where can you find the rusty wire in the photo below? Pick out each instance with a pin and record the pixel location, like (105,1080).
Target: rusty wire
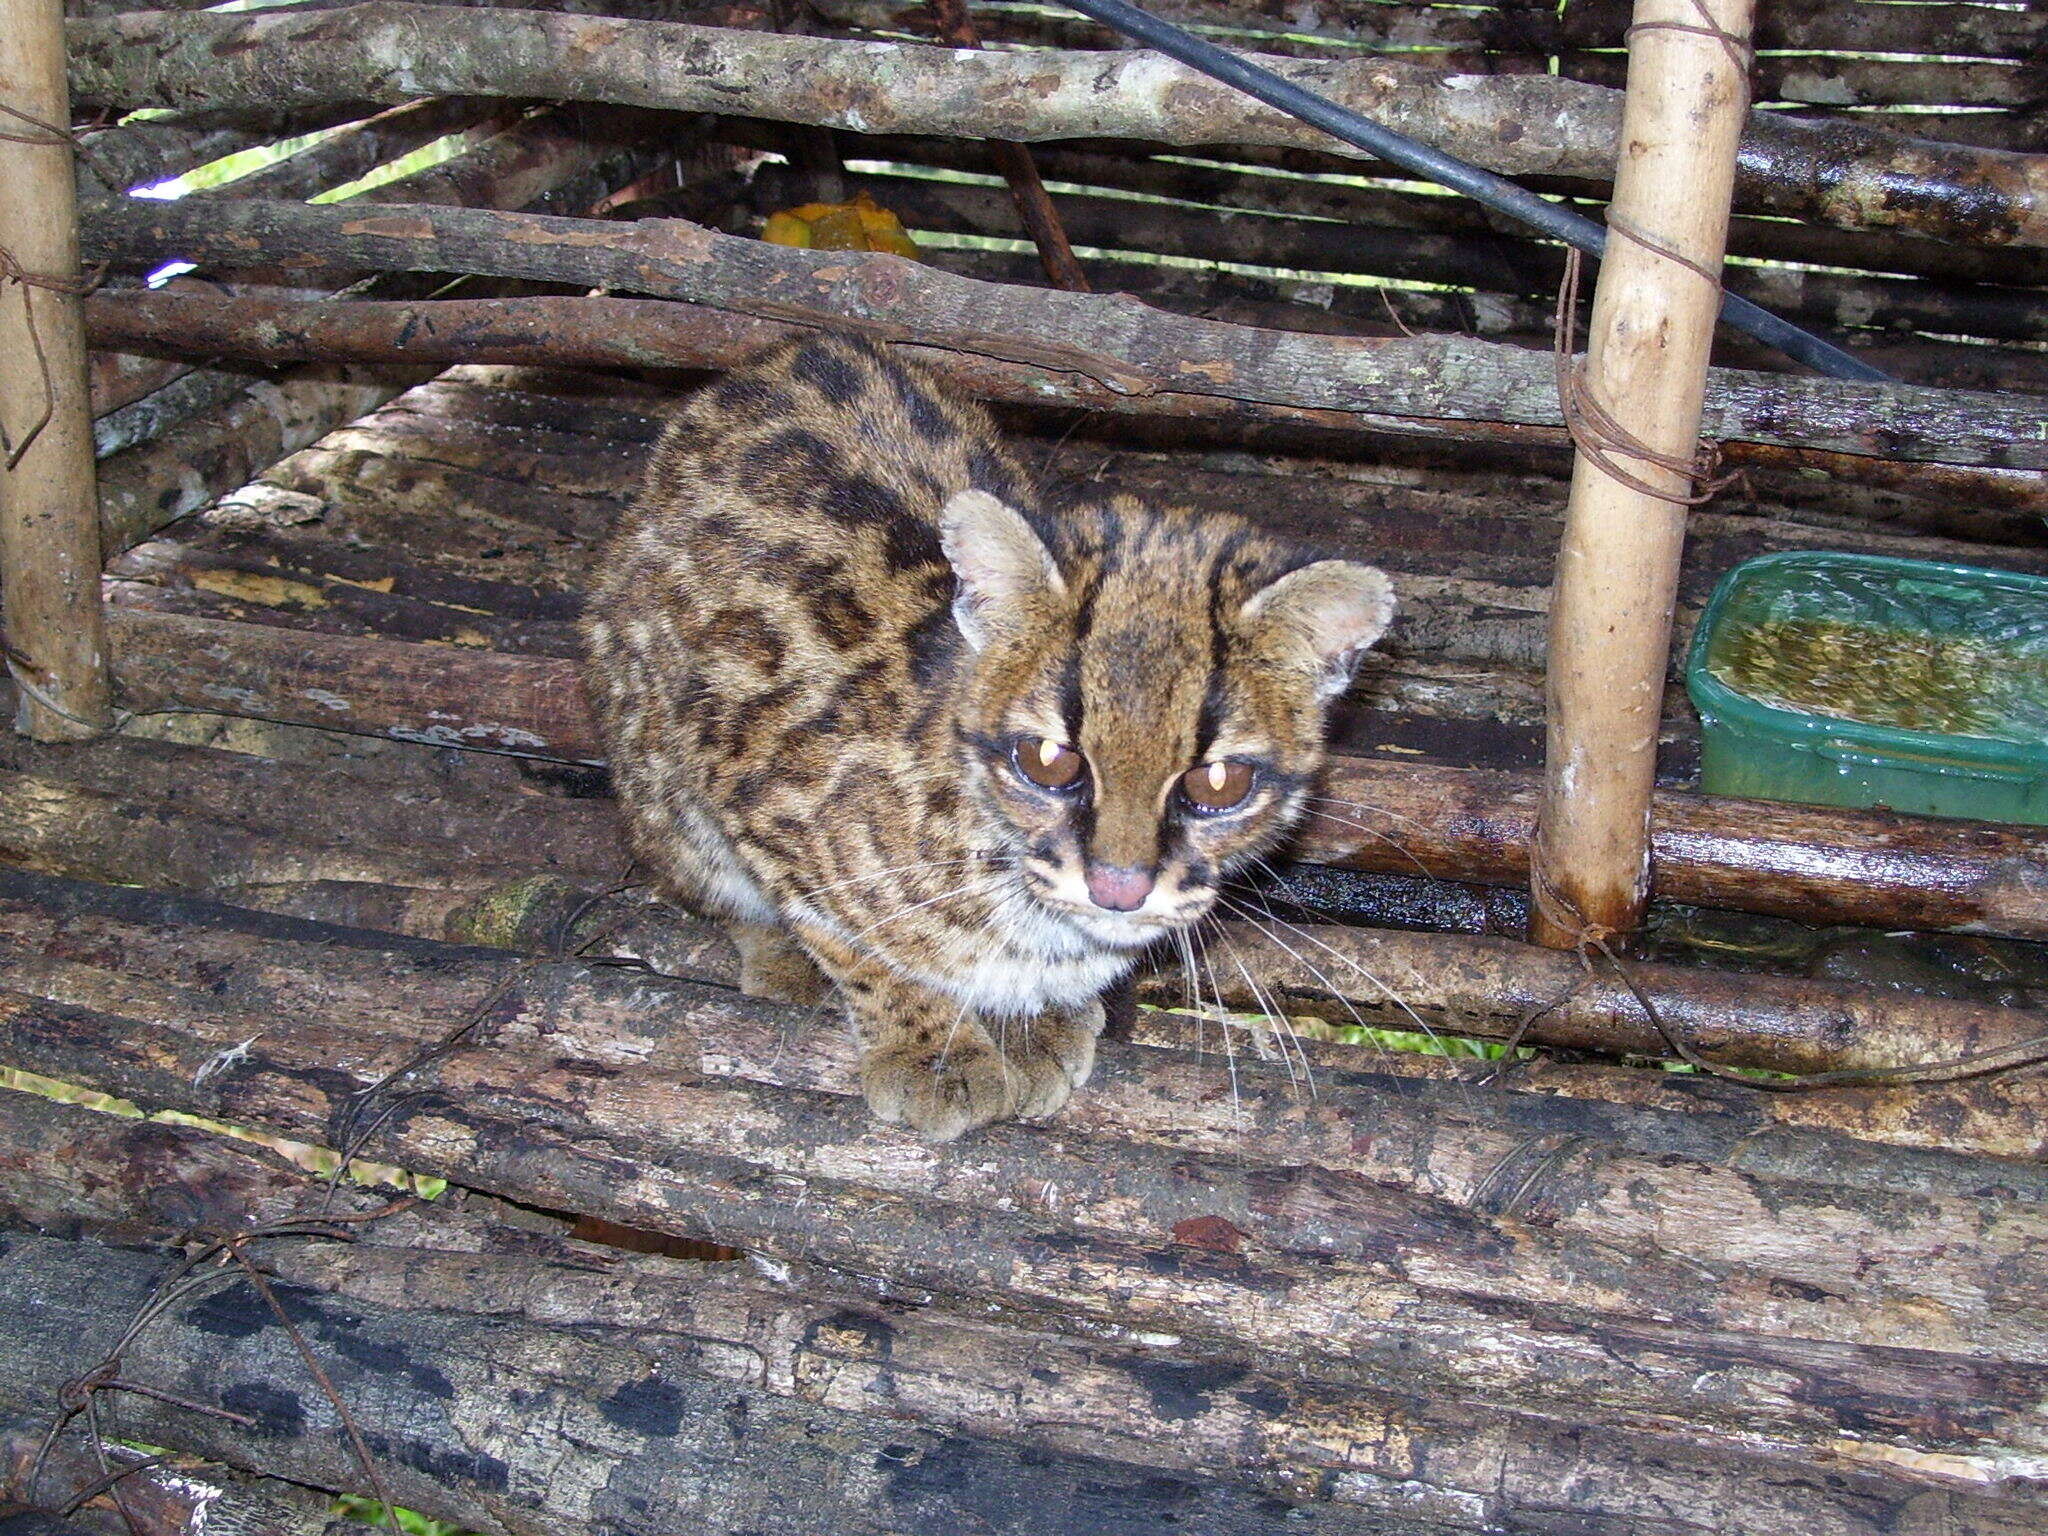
(1595,431)
(1590,939)
(79,1397)
(52,136)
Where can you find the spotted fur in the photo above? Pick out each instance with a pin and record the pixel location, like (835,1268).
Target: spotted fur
(817,644)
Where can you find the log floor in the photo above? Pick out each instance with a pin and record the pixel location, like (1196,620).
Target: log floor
(1245,1284)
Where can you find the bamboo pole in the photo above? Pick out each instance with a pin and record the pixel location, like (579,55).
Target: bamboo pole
(49,532)
(1617,567)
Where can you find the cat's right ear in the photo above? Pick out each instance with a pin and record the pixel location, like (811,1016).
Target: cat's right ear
(1001,564)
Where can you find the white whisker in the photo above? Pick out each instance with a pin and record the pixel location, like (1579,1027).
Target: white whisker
(1229,1041)
(1379,836)
(1282,1022)
(1422,1026)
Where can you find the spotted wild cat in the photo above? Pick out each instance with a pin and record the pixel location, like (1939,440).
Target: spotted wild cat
(923,736)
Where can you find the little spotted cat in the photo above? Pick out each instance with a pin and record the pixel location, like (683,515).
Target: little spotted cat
(929,741)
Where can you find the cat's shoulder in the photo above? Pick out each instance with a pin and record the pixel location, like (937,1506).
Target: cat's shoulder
(820,404)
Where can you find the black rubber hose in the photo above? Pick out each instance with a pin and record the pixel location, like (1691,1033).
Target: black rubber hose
(1461,176)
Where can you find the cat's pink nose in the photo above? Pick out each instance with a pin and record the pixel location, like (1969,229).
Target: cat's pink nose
(1119,890)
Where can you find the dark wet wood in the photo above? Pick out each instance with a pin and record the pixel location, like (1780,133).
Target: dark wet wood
(627,1422)
(555,160)
(1806,862)
(1498,989)
(1974,30)
(112,160)
(513,853)
(691,1080)
(805,1335)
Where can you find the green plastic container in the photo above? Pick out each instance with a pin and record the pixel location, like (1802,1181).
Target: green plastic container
(1856,680)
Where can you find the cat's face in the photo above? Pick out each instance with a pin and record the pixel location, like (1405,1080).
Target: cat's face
(1145,710)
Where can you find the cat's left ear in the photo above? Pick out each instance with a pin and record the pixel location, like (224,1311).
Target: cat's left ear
(1000,561)
(1322,617)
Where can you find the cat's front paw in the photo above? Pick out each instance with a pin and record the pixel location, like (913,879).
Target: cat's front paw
(1053,1054)
(940,1094)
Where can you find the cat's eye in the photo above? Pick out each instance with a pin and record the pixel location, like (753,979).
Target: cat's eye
(1048,763)
(1217,786)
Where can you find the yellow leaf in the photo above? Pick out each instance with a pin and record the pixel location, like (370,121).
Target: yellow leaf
(861,225)
(787,229)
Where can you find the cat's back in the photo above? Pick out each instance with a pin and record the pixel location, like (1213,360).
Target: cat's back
(816,471)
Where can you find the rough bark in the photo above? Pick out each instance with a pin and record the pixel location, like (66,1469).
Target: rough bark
(1825,80)
(482,849)
(1489,987)
(808,1336)
(121,378)
(1020,1217)
(1512,29)
(547,161)
(112,160)
(1952,29)
(1490,263)
(49,547)
(1118,343)
(361,147)
(178,400)
(612,1429)
(1510,36)
(185,467)
(1837,174)
(1811,863)
(187,1498)
(715,1098)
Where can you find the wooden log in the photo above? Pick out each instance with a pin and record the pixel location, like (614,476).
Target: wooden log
(2017,132)
(181,1500)
(1521,124)
(188,465)
(1979,30)
(1496,989)
(179,399)
(1871,868)
(1651,333)
(1125,347)
(1019,1217)
(1027,190)
(1513,41)
(1488,262)
(317,844)
(431,491)
(629,333)
(545,161)
(49,542)
(1829,80)
(121,378)
(358,148)
(329,163)
(206,985)
(113,160)
(1507,36)
(812,1335)
(653,1445)
(1160,171)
